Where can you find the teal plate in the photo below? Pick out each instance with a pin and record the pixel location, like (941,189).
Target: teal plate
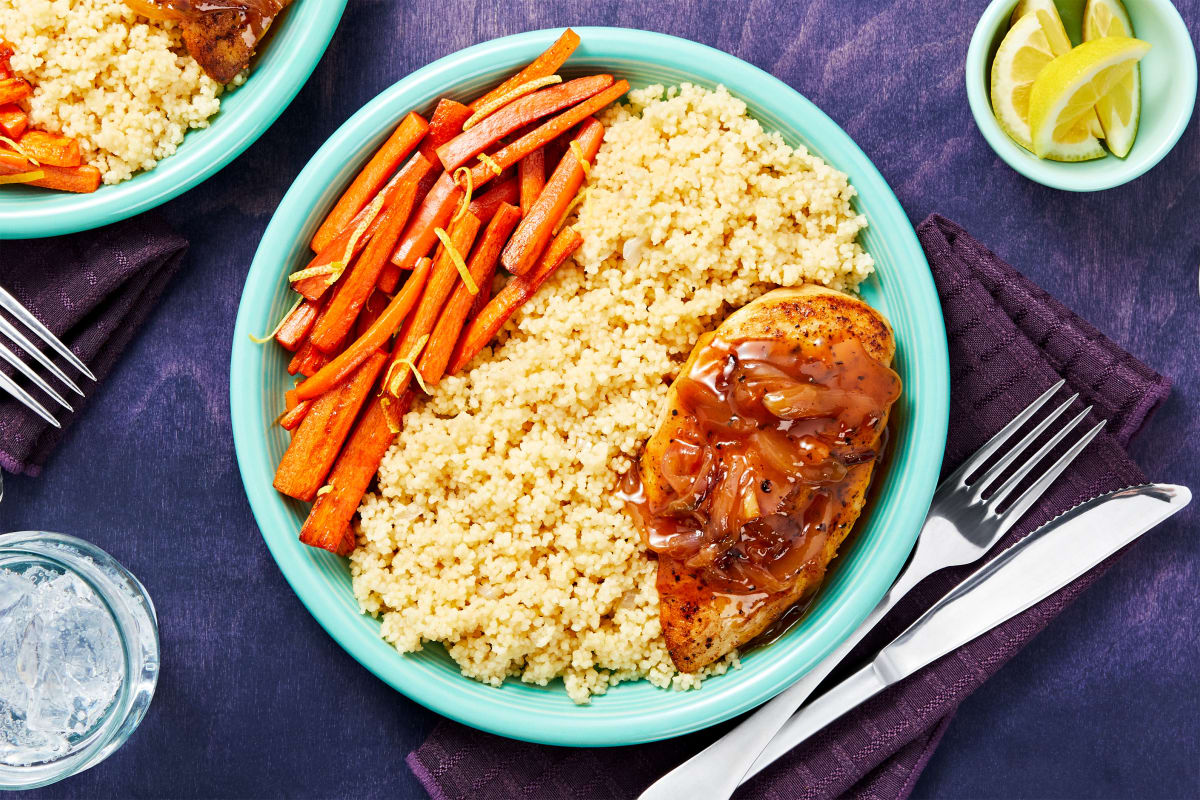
(630,712)
(296,45)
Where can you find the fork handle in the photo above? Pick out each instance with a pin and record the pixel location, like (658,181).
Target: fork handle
(716,771)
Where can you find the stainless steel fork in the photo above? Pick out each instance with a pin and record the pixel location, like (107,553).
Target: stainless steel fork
(14,334)
(967,517)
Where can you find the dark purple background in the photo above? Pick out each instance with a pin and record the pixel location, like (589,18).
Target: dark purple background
(256,700)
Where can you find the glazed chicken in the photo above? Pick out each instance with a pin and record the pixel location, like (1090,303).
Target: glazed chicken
(221,35)
(760,464)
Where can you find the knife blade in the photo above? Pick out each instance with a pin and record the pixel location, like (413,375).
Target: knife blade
(1023,575)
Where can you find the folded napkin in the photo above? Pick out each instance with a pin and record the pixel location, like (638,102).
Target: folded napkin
(93,290)
(1009,342)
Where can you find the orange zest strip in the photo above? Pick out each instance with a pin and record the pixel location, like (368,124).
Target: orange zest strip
(516,93)
(545,64)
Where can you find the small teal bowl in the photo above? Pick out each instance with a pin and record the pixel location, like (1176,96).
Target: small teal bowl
(296,45)
(630,712)
(1168,95)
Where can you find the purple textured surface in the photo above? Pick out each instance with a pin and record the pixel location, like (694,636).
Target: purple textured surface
(1008,342)
(255,699)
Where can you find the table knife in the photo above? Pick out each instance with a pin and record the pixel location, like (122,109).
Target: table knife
(1028,572)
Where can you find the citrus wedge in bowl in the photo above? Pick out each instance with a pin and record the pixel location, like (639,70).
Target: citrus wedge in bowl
(1120,109)
(1026,51)
(1068,88)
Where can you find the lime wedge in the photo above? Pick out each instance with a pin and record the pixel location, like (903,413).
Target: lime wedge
(1120,109)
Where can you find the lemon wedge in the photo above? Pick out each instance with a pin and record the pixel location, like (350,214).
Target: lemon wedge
(1120,109)
(1065,91)
(1024,52)
(1056,34)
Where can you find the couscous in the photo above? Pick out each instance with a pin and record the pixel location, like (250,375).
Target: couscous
(495,528)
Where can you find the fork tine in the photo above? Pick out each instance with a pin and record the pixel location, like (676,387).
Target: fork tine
(24,369)
(23,342)
(1030,496)
(1009,485)
(984,453)
(992,475)
(14,307)
(10,386)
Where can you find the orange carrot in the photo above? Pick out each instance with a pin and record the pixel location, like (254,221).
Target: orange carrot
(484,296)
(532,171)
(482,266)
(296,325)
(52,148)
(537,227)
(435,212)
(66,179)
(371,178)
(295,416)
(485,205)
(328,523)
(13,120)
(14,89)
(441,283)
(290,400)
(540,136)
(518,291)
(377,336)
(518,114)
(319,438)
(313,288)
(343,308)
(446,123)
(545,64)
(308,360)
(374,306)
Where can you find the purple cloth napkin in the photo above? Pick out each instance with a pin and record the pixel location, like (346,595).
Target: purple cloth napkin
(93,290)
(1009,342)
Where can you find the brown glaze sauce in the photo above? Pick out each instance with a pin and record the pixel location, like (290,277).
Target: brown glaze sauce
(256,15)
(767,440)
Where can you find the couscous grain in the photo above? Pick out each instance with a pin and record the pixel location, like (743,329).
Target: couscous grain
(495,528)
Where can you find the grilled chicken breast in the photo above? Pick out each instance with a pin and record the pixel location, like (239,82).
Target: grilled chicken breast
(702,622)
(224,39)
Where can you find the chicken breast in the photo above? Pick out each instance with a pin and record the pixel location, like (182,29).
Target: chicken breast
(704,615)
(223,40)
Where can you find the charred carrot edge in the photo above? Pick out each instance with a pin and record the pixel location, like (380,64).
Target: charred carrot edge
(348,301)
(518,114)
(545,64)
(66,179)
(328,523)
(441,282)
(13,120)
(14,89)
(51,148)
(538,137)
(484,206)
(481,267)
(435,212)
(532,172)
(372,309)
(296,326)
(418,167)
(377,336)
(537,227)
(317,441)
(295,415)
(385,161)
(518,291)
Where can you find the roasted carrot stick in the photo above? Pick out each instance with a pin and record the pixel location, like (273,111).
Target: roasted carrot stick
(373,175)
(538,137)
(441,282)
(374,306)
(295,415)
(13,120)
(532,172)
(482,267)
(14,89)
(308,360)
(377,336)
(435,212)
(319,438)
(415,170)
(446,123)
(518,291)
(297,325)
(328,523)
(343,308)
(484,296)
(484,206)
(518,114)
(537,227)
(66,179)
(52,148)
(545,64)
